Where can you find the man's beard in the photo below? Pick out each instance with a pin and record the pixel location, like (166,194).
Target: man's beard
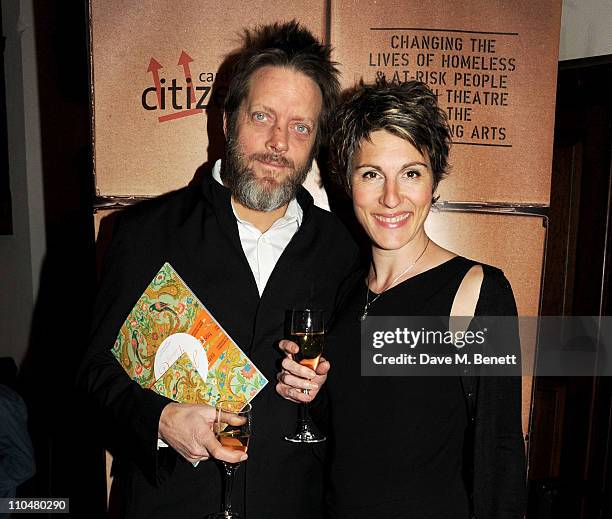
(258,193)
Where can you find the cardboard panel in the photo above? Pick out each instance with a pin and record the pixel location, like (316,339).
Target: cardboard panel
(516,244)
(494,66)
(138,45)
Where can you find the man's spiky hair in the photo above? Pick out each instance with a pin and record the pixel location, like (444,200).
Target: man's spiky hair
(284,45)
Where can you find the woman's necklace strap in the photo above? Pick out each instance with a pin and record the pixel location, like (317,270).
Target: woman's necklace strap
(395,279)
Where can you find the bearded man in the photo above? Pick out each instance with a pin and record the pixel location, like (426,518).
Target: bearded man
(251,244)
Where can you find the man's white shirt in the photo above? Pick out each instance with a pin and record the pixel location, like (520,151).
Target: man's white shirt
(262,250)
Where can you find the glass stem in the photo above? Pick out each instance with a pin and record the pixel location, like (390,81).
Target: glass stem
(230,469)
(304,411)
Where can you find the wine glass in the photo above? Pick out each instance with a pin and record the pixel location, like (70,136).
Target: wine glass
(233,436)
(307,331)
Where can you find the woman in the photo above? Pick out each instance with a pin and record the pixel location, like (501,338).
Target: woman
(412,447)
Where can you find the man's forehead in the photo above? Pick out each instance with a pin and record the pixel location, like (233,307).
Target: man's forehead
(276,87)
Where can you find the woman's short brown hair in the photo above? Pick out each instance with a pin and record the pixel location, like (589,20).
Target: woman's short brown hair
(409,110)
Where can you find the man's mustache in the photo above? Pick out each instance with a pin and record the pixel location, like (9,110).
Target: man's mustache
(273,158)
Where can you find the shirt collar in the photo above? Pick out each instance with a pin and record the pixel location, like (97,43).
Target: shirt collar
(294,212)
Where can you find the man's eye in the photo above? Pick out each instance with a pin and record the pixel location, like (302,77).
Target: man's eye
(259,116)
(302,128)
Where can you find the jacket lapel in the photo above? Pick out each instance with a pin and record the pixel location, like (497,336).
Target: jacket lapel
(210,243)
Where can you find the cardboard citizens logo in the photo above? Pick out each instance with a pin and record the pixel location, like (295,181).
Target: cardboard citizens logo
(179,97)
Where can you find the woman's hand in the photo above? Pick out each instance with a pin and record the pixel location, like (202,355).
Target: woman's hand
(294,377)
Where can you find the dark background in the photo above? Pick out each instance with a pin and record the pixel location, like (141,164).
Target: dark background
(6,224)
(69,459)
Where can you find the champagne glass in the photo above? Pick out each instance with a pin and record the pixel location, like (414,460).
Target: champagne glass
(235,437)
(307,332)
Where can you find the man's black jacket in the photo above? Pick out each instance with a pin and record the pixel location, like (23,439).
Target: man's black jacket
(194,229)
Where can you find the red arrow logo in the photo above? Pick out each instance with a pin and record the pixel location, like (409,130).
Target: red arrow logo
(184,61)
(154,67)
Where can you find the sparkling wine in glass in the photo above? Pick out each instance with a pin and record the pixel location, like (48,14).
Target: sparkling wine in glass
(311,347)
(233,436)
(307,331)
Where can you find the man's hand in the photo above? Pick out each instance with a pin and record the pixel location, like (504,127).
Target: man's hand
(188,429)
(294,377)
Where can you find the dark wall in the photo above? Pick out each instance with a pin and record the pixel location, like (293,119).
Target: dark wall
(6,224)
(68,456)
(571,435)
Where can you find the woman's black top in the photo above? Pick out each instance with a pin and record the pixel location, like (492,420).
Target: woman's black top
(399,445)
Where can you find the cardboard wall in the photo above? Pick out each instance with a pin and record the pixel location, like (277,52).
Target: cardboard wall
(503,154)
(141,148)
(494,239)
(493,64)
